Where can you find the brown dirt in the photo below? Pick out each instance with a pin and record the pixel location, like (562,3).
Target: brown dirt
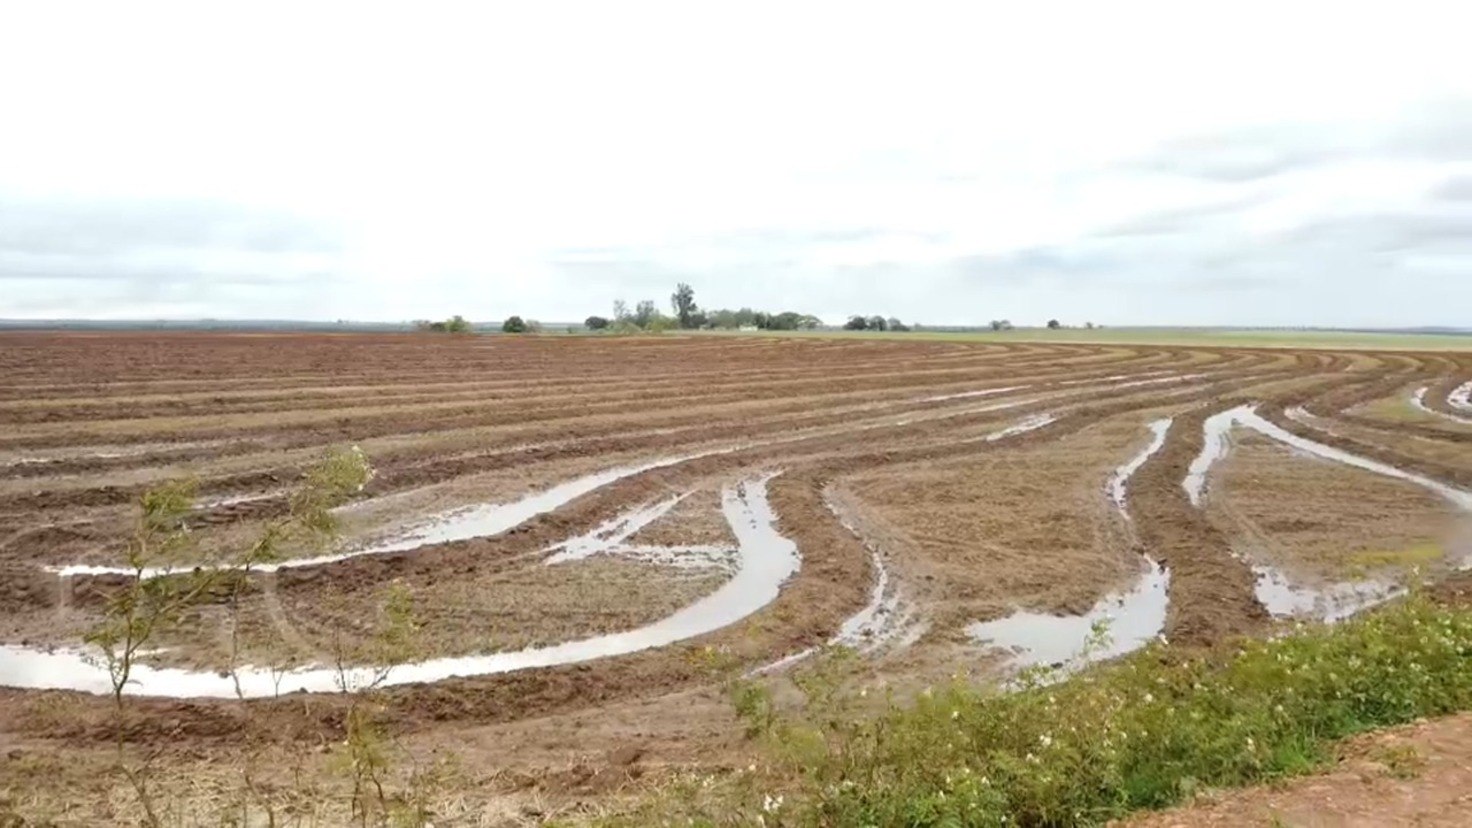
(1022,527)
(1418,775)
(695,521)
(970,529)
(1324,521)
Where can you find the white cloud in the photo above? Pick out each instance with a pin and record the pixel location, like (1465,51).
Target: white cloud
(947,162)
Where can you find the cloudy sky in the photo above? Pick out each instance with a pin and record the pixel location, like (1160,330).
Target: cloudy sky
(1245,163)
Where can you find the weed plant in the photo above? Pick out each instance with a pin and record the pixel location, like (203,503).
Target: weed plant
(1059,749)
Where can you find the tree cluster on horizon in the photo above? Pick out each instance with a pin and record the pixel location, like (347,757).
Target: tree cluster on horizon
(687,315)
(875,323)
(456,324)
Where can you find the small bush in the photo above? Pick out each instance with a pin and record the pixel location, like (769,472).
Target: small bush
(514,325)
(456,324)
(1141,733)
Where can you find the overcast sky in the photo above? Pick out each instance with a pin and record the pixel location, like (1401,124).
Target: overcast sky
(1274,163)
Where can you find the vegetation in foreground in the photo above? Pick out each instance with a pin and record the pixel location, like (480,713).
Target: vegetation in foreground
(149,606)
(1142,733)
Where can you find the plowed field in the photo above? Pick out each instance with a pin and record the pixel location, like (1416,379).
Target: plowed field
(579,522)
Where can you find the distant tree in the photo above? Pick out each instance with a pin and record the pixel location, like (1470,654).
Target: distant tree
(723,319)
(856,323)
(683,303)
(595,323)
(1001,325)
(659,323)
(1089,325)
(746,317)
(455,324)
(533,326)
(896,325)
(644,313)
(784,321)
(1054,324)
(621,311)
(877,323)
(513,325)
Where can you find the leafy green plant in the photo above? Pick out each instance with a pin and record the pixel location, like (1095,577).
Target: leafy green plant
(368,754)
(163,585)
(1144,732)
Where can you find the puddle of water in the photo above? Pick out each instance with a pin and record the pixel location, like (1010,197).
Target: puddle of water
(1273,588)
(1119,483)
(1115,378)
(1134,618)
(612,537)
(493,519)
(1418,401)
(1300,415)
(765,561)
(1213,448)
(1177,378)
(460,524)
(885,620)
(79,453)
(1461,397)
(986,392)
(1248,416)
(612,533)
(681,557)
(29,461)
(1331,603)
(1032,423)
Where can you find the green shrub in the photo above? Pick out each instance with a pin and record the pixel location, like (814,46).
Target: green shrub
(1140,733)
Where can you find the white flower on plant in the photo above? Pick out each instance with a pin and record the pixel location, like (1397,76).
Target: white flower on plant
(1045,740)
(771,804)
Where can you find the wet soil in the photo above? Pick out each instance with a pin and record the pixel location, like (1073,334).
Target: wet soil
(973,528)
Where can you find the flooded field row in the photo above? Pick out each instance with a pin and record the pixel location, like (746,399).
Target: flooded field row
(927,509)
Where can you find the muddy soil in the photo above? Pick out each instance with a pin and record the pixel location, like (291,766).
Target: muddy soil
(1322,522)
(1418,775)
(980,471)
